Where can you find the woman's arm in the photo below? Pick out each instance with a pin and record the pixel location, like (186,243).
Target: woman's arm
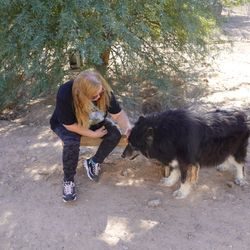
(85,131)
(123,122)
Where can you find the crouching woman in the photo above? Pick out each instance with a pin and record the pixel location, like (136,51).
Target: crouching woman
(82,107)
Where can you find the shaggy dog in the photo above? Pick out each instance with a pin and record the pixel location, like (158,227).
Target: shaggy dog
(185,141)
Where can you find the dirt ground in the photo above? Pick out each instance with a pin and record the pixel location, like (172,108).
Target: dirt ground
(128,208)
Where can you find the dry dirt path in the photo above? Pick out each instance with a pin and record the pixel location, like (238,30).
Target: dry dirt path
(117,213)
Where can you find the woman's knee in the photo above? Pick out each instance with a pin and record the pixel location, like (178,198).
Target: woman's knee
(114,134)
(68,138)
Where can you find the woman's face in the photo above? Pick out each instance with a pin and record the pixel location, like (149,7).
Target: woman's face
(98,94)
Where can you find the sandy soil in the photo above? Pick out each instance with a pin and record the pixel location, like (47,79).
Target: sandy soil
(127,209)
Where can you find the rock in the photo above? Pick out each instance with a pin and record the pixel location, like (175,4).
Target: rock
(230,184)
(154,203)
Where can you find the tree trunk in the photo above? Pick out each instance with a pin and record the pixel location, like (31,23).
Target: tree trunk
(105,61)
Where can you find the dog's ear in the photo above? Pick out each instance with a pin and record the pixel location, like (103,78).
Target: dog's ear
(141,118)
(149,136)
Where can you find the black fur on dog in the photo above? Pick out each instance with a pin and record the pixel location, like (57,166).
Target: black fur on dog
(185,141)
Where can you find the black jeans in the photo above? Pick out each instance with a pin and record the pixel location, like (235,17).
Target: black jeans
(71,146)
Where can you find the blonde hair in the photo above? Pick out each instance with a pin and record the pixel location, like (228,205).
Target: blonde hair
(85,86)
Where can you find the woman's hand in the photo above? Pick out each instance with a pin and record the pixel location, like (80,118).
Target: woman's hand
(127,132)
(100,132)
(86,132)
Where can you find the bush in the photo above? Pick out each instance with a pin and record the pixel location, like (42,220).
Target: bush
(37,38)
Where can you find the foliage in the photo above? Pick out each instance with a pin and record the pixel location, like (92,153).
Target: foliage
(37,37)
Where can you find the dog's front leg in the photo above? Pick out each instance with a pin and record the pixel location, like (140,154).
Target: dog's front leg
(172,174)
(167,171)
(172,178)
(189,176)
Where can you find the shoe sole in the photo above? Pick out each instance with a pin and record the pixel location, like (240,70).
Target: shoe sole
(68,200)
(85,164)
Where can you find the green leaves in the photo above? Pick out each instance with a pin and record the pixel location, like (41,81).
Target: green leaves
(36,37)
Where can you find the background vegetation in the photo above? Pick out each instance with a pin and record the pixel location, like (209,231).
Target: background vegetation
(123,39)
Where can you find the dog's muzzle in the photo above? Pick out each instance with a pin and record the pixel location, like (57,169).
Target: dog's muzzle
(130,152)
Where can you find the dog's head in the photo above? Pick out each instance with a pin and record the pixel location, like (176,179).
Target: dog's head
(130,152)
(140,139)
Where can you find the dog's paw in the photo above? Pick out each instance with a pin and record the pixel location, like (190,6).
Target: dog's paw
(241,182)
(183,191)
(222,167)
(179,194)
(168,182)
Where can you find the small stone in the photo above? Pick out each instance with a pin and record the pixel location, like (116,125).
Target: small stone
(33,159)
(230,184)
(154,203)
(124,173)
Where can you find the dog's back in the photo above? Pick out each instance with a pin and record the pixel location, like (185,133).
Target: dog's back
(225,134)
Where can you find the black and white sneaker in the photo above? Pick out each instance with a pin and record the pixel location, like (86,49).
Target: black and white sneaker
(92,169)
(69,192)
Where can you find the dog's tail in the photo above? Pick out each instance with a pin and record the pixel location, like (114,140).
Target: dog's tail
(240,115)
(242,119)
(248,122)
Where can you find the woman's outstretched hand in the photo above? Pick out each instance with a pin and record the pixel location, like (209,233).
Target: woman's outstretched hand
(100,132)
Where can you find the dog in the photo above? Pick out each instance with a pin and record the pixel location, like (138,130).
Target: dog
(184,141)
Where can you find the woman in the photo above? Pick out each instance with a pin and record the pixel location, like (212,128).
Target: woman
(82,106)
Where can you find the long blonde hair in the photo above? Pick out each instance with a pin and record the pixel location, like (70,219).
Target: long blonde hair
(85,86)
